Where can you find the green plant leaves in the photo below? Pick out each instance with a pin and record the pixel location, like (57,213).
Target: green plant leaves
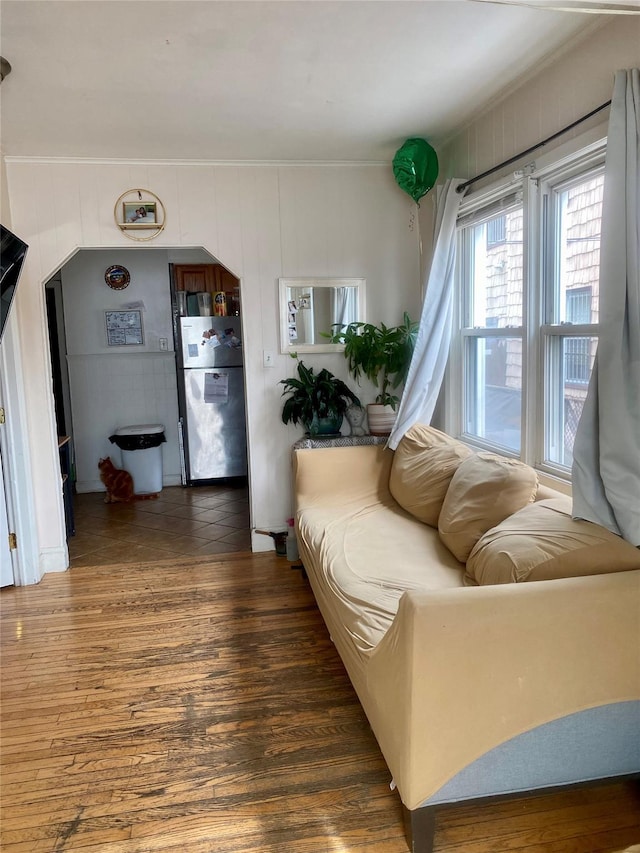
(321,394)
(381,353)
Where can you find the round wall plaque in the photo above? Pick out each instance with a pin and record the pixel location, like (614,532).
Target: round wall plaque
(117,277)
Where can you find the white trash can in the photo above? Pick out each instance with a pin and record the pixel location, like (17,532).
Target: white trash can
(141,446)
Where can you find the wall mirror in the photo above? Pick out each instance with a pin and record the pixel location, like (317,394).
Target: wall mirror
(311,306)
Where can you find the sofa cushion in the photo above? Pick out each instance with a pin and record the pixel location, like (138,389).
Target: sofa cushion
(543,542)
(484,490)
(367,557)
(423,464)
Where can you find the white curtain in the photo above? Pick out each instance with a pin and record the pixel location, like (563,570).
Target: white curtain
(606,462)
(432,346)
(344,305)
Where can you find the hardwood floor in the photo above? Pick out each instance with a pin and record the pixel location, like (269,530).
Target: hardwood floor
(200,707)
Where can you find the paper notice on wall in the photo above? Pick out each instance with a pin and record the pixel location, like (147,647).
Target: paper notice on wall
(216,387)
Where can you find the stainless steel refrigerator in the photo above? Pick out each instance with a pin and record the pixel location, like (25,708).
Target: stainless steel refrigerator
(211,397)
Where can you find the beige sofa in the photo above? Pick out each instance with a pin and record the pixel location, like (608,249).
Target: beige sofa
(493,642)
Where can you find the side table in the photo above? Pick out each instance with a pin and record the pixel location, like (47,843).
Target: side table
(312,442)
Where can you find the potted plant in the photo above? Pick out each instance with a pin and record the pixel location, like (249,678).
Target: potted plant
(382,354)
(318,401)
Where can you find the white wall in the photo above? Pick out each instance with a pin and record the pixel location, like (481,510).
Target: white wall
(262,222)
(562,92)
(5,211)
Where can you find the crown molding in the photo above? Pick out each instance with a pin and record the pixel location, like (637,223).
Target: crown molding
(112,161)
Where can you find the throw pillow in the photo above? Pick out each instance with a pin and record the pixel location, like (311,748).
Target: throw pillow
(423,464)
(484,490)
(543,542)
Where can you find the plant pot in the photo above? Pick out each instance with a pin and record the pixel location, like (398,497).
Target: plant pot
(324,426)
(381,419)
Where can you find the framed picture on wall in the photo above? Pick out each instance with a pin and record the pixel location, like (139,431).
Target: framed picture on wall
(124,328)
(139,214)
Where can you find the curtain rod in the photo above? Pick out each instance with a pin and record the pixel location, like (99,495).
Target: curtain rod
(508,162)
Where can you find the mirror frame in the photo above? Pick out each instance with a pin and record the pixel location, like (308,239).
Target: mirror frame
(286,283)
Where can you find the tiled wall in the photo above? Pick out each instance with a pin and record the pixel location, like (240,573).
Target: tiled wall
(116,390)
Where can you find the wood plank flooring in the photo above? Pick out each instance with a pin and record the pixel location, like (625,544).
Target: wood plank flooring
(200,707)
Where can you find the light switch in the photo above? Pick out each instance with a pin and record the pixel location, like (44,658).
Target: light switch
(164,344)
(267,358)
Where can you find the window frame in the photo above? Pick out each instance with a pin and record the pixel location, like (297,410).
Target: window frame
(541,327)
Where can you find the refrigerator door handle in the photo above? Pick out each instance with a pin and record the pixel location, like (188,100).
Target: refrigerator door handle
(183,462)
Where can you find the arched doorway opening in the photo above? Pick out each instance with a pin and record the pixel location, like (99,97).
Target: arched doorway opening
(100,385)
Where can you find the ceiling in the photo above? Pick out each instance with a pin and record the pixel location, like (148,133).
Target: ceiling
(215,80)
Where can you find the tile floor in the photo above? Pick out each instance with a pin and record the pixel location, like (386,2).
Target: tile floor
(193,521)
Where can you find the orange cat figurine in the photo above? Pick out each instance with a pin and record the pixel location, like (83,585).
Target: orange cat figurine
(119,484)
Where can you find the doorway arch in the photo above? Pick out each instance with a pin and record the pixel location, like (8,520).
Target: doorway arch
(42,546)
(113,385)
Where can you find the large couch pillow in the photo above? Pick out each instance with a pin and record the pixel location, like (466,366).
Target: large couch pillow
(543,542)
(423,464)
(484,490)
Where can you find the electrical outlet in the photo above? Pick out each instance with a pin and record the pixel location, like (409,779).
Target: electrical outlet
(164,344)
(267,358)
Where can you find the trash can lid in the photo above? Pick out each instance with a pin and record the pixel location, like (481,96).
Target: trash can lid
(140,429)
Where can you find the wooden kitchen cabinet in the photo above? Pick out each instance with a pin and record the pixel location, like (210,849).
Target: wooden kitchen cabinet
(196,277)
(213,278)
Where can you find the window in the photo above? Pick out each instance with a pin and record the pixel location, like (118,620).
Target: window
(578,303)
(527,277)
(496,231)
(574,213)
(493,325)
(578,360)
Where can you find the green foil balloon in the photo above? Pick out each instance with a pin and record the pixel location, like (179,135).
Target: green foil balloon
(415,167)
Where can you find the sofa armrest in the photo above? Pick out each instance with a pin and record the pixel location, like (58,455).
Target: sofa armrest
(341,475)
(461,671)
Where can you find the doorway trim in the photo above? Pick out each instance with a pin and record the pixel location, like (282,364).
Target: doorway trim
(16,461)
(33,561)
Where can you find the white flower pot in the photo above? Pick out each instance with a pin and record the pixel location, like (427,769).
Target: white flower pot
(381,419)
